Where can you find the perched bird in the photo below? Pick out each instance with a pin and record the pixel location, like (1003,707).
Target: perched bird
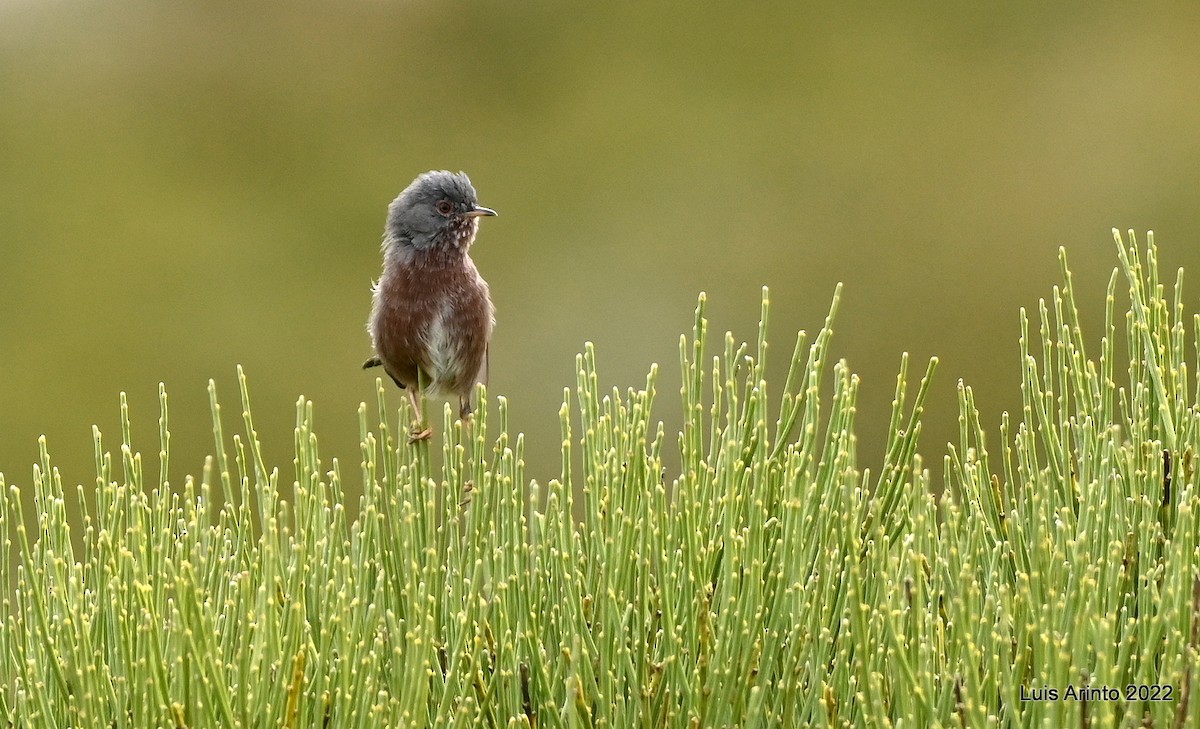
(431,319)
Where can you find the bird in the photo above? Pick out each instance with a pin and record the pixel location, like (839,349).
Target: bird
(432,315)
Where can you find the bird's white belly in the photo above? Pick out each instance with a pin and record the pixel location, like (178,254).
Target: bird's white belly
(443,348)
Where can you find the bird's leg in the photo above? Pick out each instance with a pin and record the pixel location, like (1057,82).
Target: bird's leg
(466,412)
(419,430)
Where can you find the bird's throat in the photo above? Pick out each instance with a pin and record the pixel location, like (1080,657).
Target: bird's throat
(461,233)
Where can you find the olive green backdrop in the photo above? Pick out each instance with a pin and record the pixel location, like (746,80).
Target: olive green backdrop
(189,186)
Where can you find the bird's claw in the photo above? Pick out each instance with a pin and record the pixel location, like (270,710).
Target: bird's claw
(418,435)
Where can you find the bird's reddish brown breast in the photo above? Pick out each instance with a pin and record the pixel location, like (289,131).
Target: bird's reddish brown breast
(436,316)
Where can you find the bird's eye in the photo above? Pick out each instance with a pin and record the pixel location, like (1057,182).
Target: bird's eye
(444,207)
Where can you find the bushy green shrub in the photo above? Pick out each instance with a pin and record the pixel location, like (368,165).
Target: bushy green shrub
(769,583)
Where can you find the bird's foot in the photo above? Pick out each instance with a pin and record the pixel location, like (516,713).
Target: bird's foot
(372,362)
(418,434)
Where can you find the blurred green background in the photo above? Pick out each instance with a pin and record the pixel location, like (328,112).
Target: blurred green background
(188,186)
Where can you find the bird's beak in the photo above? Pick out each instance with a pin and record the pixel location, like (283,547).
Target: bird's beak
(479,212)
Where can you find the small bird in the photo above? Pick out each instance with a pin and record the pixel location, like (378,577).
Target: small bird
(432,316)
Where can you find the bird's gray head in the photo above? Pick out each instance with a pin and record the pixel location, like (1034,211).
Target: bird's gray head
(438,210)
